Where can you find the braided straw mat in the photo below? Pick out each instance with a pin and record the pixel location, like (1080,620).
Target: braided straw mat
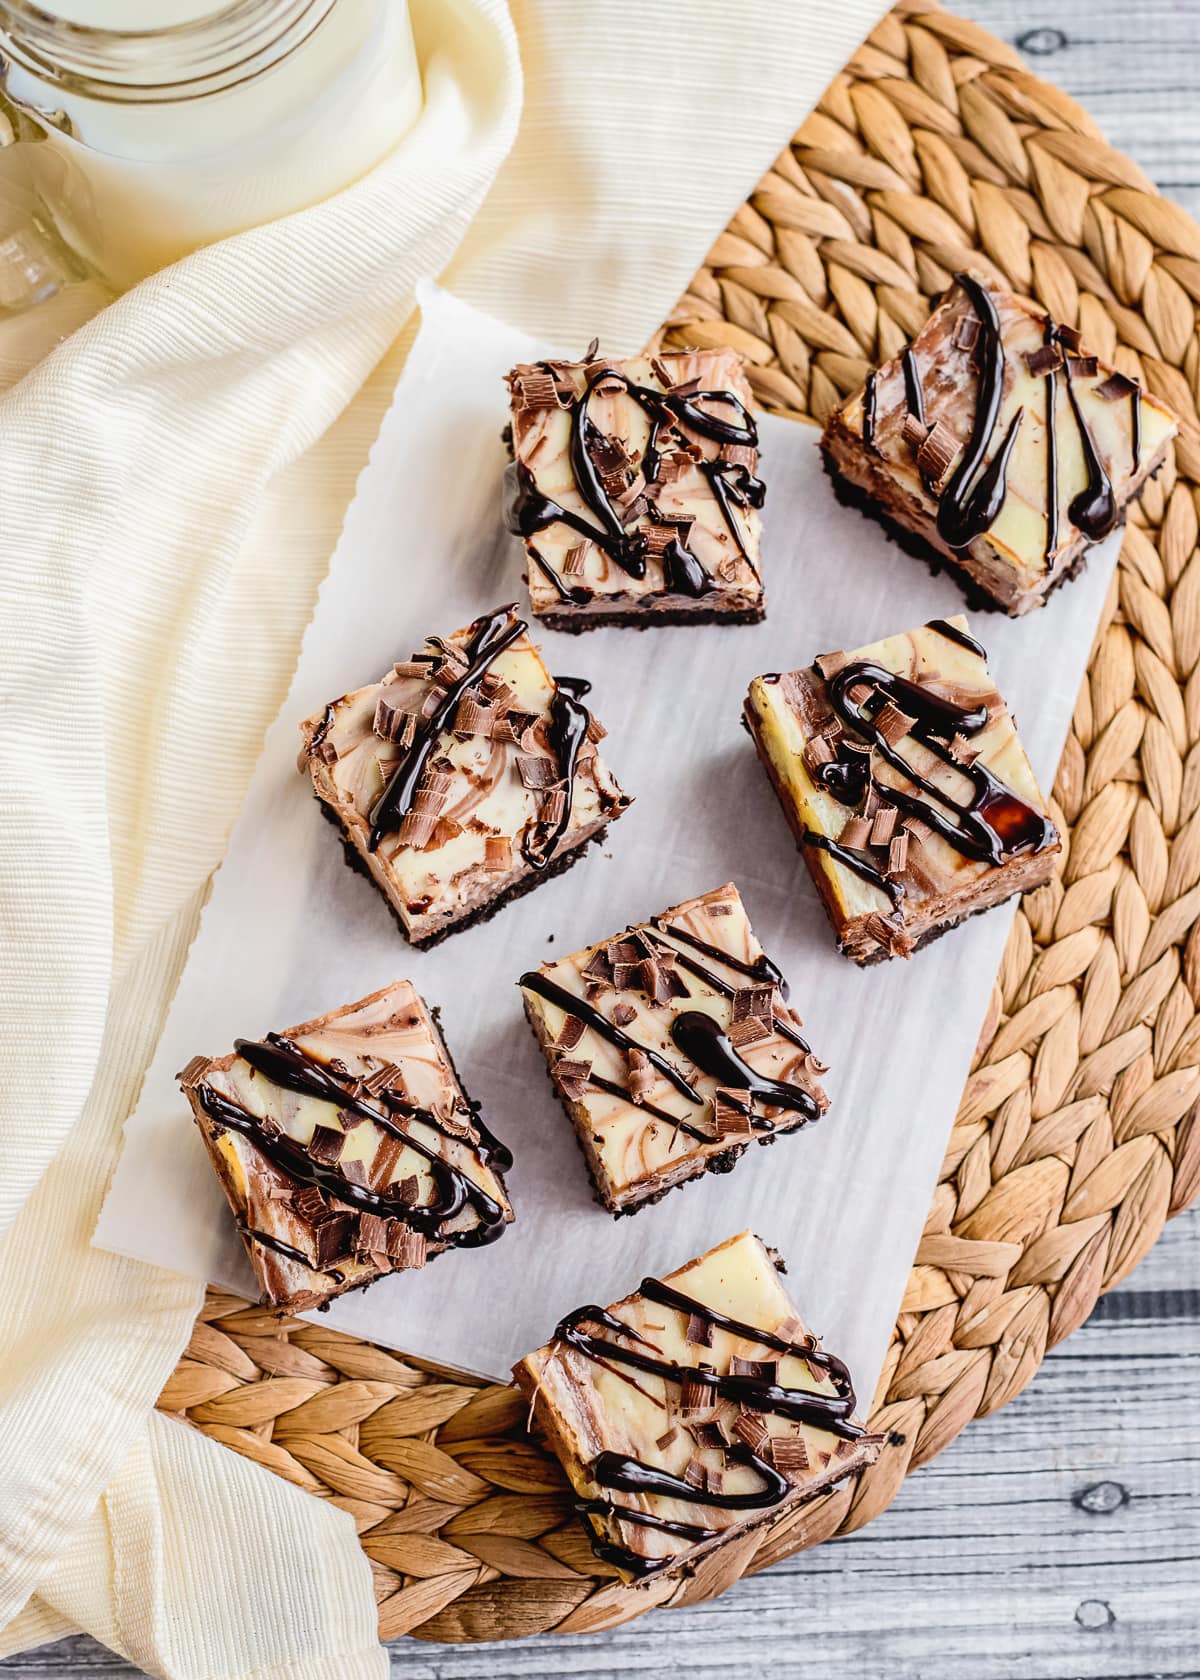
(1079,1129)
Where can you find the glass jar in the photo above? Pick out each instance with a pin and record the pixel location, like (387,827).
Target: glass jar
(158,140)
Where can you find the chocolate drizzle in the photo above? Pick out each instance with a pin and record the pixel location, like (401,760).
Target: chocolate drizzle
(1094,510)
(967,507)
(542,986)
(952,633)
(489,637)
(264,1239)
(290,1068)
(568,729)
(1051,452)
(914,398)
(996,824)
(868,421)
(704,1042)
(755,1392)
(528,510)
(764,972)
(861,865)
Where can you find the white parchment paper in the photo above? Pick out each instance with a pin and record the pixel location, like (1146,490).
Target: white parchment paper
(290,931)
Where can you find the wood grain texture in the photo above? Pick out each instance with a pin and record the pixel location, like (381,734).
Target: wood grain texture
(1060,1537)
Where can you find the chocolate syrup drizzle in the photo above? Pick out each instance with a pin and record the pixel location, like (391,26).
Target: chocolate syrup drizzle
(952,633)
(696,1034)
(528,510)
(490,635)
(868,425)
(996,824)
(265,1240)
(624,1474)
(975,494)
(291,1068)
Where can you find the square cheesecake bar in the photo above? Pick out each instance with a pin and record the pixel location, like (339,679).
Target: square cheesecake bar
(463,777)
(693,1410)
(997,446)
(901,773)
(347,1148)
(673,1048)
(634,487)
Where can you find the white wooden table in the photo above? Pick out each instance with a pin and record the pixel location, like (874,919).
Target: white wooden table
(1059,1540)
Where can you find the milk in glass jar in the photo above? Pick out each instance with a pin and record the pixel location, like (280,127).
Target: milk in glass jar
(170,123)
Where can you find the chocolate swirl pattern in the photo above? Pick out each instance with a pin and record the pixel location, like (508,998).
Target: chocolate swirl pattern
(755,1415)
(678,1029)
(341,1164)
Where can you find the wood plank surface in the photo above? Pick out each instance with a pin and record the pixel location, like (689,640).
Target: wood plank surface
(1059,1540)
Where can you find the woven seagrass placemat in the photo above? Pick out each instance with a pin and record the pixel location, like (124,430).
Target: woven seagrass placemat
(1078,1134)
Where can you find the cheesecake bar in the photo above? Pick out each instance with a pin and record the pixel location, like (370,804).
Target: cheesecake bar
(996,445)
(347,1148)
(673,1048)
(634,487)
(693,1410)
(464,776)
(900,771)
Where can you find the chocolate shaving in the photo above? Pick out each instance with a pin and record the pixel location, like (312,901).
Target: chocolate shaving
(553,806)
(695,1475)
(731,1113)
(721,908)
(534,388)
(751,1428)
(571,1077)
(754,1001)
(595,729)
(623,1014)
(571,1031)
(194,1072)
(694,1395)
(598,965)
(829,664)
(390,719)
(749,1031)
(432,793)
(416,830)
(326,1145)
(497,853)
(419,666)
(1082,367)
(380,1079)
(1047,358)
(884,825)
(964,749)
(657,976)
(537,773)
(574,558)
(407,1191)
(898,854)
(371,1236)
(1116,386)
(1070,336)
(877,927)
(641,1075)
(762,1370)
(699,1330)
(966,332)
(892,723)
(383,1163)
(671,468)
(311,1205)
(920,831)
(789,1454)
(470,718)
(856,832)
(914,431)
(937,452)
(740,455)
(664,1441)
(818,752)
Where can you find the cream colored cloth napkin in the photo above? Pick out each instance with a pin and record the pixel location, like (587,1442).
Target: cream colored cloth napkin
(173,479)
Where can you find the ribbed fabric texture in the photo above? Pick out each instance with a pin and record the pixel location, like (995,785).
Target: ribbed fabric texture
(173,479)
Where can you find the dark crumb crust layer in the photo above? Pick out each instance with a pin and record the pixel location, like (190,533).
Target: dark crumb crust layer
(485,912)
(724,1162)
(645,618)
(854,496)
(881,954)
